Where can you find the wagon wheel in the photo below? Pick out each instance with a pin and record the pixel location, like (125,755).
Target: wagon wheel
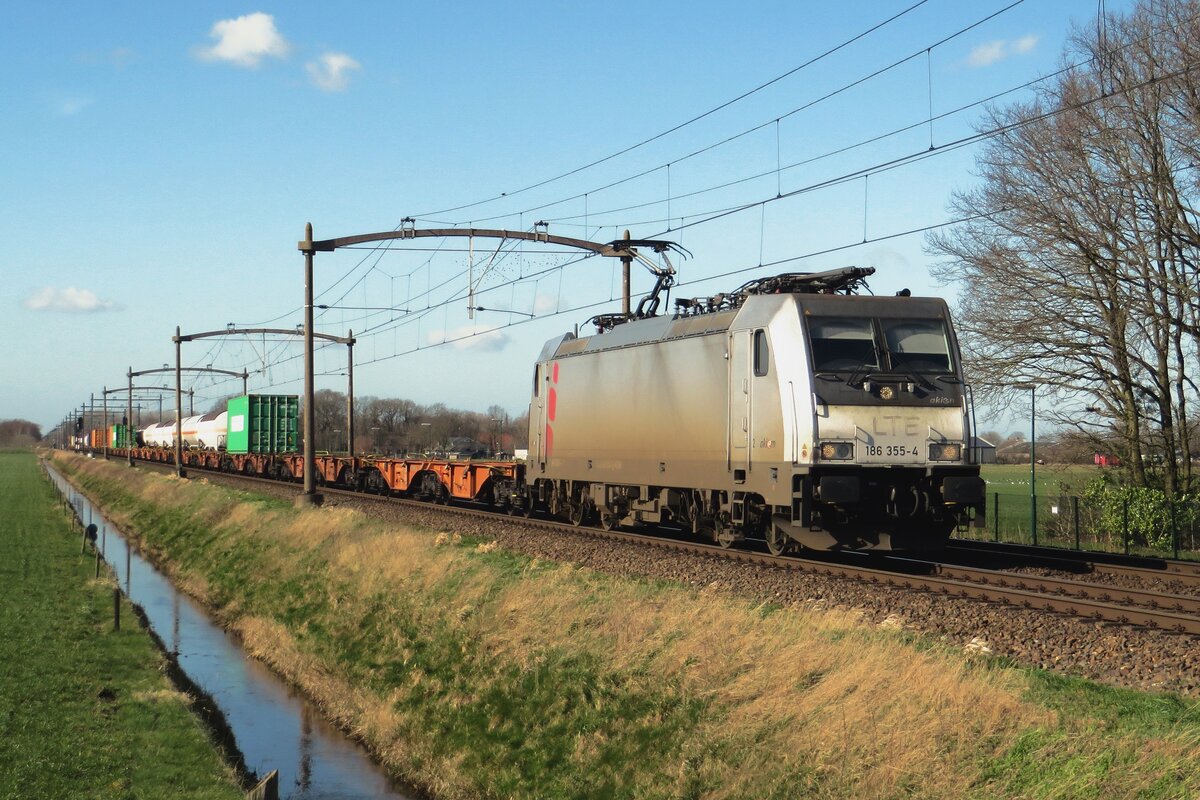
(778,542)
(431,488)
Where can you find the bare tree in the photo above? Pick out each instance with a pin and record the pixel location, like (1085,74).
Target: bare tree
(1078,259)
(19,433)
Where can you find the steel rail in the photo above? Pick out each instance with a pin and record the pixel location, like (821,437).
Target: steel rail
(1186,572)
(1065,587)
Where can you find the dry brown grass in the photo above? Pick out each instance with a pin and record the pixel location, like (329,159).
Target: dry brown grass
(860,707)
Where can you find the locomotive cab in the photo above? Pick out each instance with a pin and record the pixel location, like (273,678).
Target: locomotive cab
(890,463)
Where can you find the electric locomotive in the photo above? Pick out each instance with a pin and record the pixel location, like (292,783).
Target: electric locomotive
(792,410)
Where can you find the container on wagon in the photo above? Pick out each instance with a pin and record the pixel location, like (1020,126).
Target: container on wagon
(122,436)
(263,423)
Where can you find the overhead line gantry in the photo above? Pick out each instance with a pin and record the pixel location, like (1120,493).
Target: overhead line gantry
(625,249)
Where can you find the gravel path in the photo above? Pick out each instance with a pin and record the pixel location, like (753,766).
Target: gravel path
(1106,652)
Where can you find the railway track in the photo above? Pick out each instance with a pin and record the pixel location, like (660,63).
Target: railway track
(1093,601)
(1186,573)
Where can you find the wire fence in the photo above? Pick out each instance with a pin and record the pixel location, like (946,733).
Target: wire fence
(1134,526)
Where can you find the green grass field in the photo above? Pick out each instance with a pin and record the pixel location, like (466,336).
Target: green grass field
(84,711)
(1059,516)
(1052,479)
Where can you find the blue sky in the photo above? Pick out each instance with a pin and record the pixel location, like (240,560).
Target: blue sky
(160,162)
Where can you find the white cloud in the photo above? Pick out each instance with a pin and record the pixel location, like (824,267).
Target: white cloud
(887,258)
(121,56)
(546,304)
(331,72)
(468,337)
(246,40)
(1025,44)
(70,106)
(989,53)
(67,299)
(118,57)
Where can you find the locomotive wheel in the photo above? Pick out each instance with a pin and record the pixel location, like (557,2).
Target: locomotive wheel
(578,514)
(721,533)
(778,542)
(609,520)
(725,536)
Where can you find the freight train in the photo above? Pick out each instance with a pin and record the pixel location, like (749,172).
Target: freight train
(792,410)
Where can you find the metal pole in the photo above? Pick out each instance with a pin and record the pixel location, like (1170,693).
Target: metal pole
(996,516)
(1174,530)
(310,417)
(350,394)
(192,402)
(625,262)
(92,421)
(1032,461)
(1125,524)
(107,429)
(179,470)
(1075,516)
(129,438)
(245,377)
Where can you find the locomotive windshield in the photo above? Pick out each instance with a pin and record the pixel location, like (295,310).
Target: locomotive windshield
(842,344)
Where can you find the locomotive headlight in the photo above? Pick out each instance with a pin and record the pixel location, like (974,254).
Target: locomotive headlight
(887,393)
(945,452)
(837,451)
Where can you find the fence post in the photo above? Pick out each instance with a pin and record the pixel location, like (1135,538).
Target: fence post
(1075,514)
(267,788)
(1125,524)
(116,609)
(996,516)
(1174,531)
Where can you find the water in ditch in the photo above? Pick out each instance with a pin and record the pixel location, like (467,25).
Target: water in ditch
(274,728)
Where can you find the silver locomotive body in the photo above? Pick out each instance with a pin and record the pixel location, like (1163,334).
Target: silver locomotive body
(833,421)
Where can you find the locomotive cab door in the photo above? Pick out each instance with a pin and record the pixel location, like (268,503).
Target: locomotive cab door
(537,421)
(739,405)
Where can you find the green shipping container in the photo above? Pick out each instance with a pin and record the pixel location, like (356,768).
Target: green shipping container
(122,436)
(263,423)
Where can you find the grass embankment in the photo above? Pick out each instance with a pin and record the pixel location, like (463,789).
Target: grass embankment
(479,673)
(84,711)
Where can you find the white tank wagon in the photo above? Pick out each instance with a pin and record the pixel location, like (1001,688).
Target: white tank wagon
(158,434)
(206,431)
(789,410)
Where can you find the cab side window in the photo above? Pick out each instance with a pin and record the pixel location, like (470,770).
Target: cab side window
(762,353)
